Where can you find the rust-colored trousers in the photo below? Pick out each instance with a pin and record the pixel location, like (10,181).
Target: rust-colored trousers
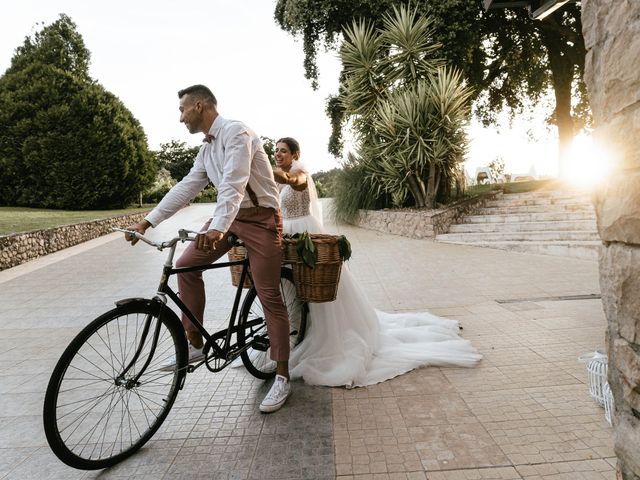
(260,229)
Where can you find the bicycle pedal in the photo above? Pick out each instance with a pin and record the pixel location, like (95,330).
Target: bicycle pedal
(260,343)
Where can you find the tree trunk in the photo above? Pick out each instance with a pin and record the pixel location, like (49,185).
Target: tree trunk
(561,66)
(416,189)
(432,186)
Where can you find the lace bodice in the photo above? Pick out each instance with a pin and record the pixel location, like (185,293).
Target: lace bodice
(294,203)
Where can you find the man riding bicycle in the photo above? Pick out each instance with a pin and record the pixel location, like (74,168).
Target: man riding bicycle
(233,159)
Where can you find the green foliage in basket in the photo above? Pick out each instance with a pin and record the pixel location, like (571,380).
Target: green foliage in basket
(307,251)
(344,247)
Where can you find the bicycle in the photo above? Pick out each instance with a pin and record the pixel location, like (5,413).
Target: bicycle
(111,389)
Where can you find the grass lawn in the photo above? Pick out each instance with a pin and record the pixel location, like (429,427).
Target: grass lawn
(21,219)
(511,187)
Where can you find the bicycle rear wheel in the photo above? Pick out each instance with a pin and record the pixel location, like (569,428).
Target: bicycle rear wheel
(252,327)
(110,391)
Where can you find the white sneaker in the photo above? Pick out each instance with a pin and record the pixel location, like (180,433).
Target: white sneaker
(280,391)
(195,355)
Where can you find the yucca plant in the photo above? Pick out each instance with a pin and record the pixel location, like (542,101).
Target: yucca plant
(407,110)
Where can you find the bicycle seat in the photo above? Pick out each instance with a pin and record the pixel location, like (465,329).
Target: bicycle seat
(234,241)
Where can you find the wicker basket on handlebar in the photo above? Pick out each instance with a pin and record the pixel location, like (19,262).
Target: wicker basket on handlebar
(318,284)
(238,253)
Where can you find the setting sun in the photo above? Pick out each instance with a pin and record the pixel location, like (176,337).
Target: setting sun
(589,163)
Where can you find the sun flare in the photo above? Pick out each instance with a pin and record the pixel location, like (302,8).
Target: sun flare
(588,163)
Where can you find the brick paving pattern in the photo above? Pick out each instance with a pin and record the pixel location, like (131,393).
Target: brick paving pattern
(523,414)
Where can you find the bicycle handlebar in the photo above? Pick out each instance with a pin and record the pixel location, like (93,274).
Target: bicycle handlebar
(183,236)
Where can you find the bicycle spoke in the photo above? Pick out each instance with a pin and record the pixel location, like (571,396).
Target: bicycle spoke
(106,416)
(130,419)
(137,392)
(109,349)
(89,361)
(83,401)
(80,420)
(122,364)
(144,410)
(258,360)
(95,401)
(81,386)
(101,356)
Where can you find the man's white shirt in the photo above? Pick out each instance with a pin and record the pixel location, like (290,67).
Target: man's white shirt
(232,159)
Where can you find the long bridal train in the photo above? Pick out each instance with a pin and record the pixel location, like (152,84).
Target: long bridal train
(348,342)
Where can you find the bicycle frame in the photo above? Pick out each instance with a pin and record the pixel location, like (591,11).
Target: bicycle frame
(164,291)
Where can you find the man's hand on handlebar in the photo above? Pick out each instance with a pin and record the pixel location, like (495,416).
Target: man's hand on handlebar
(139,227)
(207,241)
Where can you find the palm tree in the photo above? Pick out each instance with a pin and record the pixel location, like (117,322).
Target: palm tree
(406,109)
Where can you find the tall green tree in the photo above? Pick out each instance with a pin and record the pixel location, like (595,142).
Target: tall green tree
(66,142)
(269,145)
(407,110)
(510,60)
(177,158)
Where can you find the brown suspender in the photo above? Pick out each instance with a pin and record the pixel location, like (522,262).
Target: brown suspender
(252,195)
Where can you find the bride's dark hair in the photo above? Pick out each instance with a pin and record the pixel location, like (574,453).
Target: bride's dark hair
(292,143)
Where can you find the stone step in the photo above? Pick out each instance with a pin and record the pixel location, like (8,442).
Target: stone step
(507,201)
(565,207)
(538,236)
(548,194)
(581,225)
(560,222)
(531,217)
(585,250)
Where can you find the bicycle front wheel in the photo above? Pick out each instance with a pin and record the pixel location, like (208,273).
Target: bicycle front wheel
(112,389)
(253,327)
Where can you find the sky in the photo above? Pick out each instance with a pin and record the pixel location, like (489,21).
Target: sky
(144,52)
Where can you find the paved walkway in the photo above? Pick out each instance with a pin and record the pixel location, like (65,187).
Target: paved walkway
(524,413)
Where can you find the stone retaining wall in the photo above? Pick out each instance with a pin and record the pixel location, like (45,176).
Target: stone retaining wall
(21,247)
(422,224)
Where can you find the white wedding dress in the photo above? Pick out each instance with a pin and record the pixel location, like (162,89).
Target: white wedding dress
(348,342)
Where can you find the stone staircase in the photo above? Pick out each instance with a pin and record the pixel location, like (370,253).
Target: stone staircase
(553,222)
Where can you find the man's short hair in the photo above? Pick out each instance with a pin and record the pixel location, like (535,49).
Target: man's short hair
(199,93)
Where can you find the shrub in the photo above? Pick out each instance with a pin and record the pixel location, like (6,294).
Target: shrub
(208,195)
(160,187)
(325,182)
(355,189)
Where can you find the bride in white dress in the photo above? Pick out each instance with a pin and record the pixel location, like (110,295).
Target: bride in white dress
(348,342)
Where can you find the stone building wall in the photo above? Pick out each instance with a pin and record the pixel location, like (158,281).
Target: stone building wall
(21,247)
(611,31)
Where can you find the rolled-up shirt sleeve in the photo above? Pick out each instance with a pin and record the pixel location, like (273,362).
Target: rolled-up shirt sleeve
(181,193)
(235,176)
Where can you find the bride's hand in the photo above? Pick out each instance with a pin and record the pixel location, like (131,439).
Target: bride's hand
(301,187)
(281,176)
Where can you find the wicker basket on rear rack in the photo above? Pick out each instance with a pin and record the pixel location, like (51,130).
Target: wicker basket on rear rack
(318,284)
(238,253)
